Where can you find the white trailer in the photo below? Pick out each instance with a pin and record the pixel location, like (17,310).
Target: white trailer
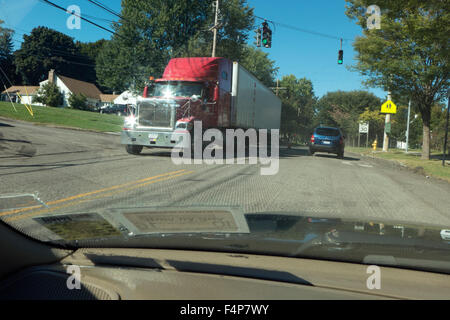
(253,104)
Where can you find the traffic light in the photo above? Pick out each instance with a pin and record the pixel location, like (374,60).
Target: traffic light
(341,57)
(266,36)
(258,37)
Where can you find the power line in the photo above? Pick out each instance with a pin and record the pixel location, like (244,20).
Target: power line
(303,30)
(41,57)
(82,18)
(104,7)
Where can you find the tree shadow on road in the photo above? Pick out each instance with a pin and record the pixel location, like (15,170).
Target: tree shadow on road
(293,152)
(282,153)
(333,156)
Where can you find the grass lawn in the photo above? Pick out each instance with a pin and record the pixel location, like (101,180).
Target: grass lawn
(432,167)
(63,117)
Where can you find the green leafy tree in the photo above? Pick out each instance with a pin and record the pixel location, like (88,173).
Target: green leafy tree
(343,108)
(258,63)
(78,101)
(376,124)
(6,54)
(89,51)
(438,121)
(49,95)
(153,31)
(297,111)
(235,22)
(46,49)
(409,54)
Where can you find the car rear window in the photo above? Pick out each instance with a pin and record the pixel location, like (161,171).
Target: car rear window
(327,132)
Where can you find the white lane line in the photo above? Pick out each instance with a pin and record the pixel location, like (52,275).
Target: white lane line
(347,163)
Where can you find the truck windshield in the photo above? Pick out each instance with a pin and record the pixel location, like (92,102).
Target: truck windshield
(177,89)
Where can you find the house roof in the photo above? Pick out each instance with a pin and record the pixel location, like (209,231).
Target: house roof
(22,90)
(78,86)
(108,97)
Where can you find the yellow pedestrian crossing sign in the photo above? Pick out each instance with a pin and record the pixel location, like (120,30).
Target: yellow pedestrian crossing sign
(389,107)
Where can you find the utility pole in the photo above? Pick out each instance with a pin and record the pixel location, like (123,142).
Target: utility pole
(215,29)
(387,123)
(278,88)
(446,128)
(407,125)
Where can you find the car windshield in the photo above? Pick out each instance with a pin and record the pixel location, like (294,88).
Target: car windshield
(297,128)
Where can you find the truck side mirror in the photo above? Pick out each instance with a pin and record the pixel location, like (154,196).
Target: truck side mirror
(145,93)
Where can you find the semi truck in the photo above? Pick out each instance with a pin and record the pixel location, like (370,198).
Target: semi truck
(216,91)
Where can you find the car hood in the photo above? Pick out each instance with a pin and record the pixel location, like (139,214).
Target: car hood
(294,234)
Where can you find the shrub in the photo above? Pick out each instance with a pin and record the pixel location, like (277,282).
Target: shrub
(49,95)
(78,101)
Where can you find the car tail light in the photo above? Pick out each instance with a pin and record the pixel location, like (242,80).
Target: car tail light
(312,139)
(341,140)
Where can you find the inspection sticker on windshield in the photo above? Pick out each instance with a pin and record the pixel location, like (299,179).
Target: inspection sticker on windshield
(78,226)
(181,220)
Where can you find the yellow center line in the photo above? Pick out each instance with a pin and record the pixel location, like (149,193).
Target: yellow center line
(90,193)
(81,201)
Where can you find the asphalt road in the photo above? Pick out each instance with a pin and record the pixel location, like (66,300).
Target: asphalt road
(79,171)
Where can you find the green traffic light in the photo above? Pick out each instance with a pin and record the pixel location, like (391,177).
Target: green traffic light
(340,61)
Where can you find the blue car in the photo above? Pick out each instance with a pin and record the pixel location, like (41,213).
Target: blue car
(327,139)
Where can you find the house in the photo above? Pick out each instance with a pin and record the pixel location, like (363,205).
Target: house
(69,86)
(107,100)
(20,94)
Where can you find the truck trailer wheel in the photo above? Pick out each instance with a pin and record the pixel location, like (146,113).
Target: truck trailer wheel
(133,149)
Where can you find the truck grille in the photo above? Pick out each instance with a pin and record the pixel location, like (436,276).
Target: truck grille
(155,114)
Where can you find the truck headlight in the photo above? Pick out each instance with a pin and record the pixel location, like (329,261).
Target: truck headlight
(130,122)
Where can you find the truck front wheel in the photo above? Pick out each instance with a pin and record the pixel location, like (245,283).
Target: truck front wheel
(132,149)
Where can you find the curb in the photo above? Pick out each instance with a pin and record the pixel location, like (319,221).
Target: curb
(399,165)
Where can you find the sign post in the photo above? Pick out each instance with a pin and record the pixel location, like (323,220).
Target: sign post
(446,128)
(388,108)
(407,125)
(364,128)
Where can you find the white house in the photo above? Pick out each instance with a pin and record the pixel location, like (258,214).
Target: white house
(20,94)
(126,97)
(107,100)
(69,86)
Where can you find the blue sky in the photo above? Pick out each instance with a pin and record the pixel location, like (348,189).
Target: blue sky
(298,53)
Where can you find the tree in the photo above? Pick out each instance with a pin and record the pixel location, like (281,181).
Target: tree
(78,101)
(153,31)
(409,54)
(49,95)
(89,51)
(258,63)
(343,109)
(6,54)
(438,121)
(236,21)
(297,111)
(46,49)
(376,124)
